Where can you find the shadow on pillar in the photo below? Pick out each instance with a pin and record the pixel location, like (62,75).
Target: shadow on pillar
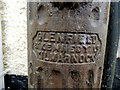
(116,83)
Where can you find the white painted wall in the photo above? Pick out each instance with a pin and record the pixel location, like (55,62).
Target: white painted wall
(14,26)
(1,60)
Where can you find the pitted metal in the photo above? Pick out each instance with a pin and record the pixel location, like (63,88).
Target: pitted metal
(66,43)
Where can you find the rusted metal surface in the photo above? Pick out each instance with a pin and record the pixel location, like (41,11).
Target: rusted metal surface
(66,44)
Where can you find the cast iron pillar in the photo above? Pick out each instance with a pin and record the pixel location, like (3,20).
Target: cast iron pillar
(66,43)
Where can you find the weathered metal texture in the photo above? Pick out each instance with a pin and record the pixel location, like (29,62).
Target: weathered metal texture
(66,44)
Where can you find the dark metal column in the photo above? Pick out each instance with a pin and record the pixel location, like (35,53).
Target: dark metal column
(112,46)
